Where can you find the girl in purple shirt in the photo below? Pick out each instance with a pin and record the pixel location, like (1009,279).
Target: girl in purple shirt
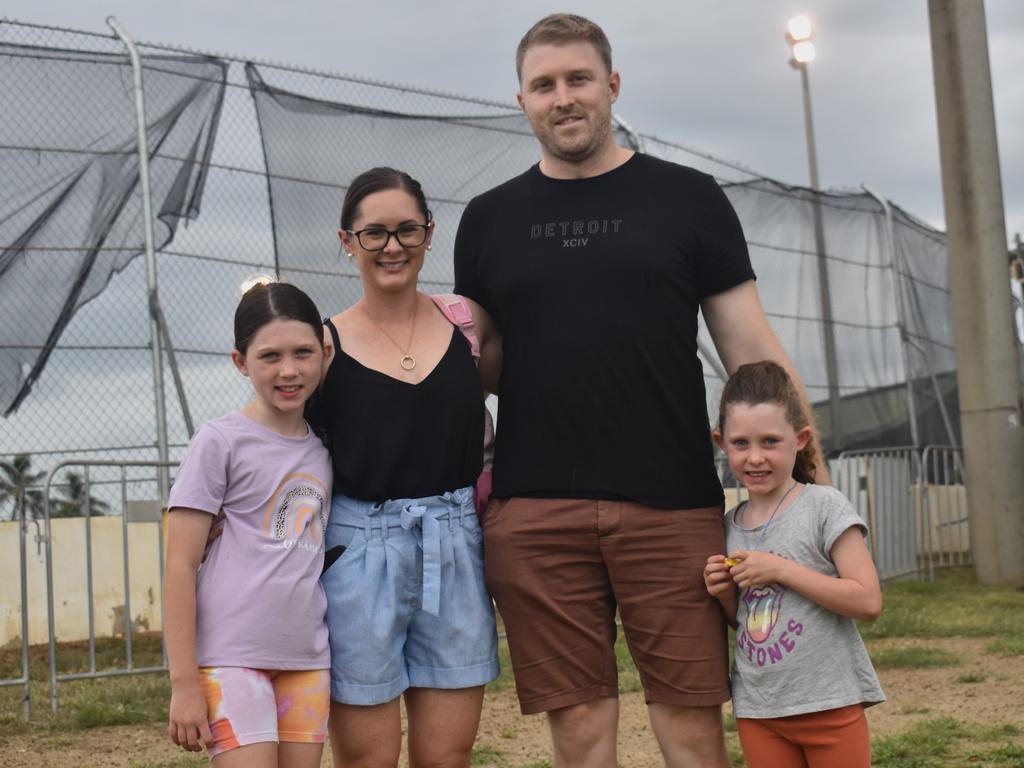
(246,637)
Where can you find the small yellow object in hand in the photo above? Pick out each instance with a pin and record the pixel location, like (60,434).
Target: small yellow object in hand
(731,561)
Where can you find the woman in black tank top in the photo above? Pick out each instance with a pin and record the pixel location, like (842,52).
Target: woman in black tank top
(402,405)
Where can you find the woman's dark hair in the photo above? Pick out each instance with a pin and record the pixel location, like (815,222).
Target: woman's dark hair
(379,180)
(768,382)
(265,302)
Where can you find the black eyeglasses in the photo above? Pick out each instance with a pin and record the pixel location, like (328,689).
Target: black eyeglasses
(377,238)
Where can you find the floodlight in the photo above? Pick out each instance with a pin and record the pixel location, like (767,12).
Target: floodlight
(799,28)
(803,52)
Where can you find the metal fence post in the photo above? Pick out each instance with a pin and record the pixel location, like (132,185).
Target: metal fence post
(26,699)
(151,272)
(130,667)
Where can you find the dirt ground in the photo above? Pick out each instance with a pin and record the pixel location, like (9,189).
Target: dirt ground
(983,688)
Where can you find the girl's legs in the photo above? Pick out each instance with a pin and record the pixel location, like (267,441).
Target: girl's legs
(834,738)
(262,755)
(766,746)
(294,755)
(302,699)
(840,739)
(365,736)
(270,755)
(442,725)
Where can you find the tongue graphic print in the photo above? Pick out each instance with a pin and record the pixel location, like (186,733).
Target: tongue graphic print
(763,605)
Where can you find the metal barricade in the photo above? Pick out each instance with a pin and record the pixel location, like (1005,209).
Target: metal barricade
(734,490)
(883,485)
(87,502)
(944,507)
(23,680)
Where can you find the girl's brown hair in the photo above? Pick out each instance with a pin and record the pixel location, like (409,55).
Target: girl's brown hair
(768,382)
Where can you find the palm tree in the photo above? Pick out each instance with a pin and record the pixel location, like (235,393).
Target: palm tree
(74,499)
(18,484)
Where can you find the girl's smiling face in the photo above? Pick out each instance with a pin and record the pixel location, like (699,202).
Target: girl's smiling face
(283,361)
(761,445)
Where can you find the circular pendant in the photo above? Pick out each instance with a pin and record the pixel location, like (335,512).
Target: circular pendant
(408,362)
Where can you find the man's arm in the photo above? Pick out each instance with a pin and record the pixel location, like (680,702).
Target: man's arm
(740,330)
(490,347)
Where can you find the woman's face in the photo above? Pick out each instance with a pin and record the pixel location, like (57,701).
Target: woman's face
(388,238)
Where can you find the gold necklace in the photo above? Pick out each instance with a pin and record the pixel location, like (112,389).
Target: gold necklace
(408,362)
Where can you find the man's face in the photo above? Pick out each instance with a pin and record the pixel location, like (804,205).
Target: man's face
(567,95)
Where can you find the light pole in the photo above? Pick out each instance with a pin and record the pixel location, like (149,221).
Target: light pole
(799,31)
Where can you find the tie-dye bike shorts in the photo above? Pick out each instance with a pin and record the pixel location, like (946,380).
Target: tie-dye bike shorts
(248,706)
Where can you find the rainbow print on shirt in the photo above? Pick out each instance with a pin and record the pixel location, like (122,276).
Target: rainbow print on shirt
(296,515)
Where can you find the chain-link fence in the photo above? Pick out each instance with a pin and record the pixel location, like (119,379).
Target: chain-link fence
(249,163)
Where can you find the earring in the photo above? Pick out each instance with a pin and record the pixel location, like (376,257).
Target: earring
(350,255)
(429,247)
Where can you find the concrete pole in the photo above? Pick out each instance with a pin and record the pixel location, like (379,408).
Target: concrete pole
(986,351)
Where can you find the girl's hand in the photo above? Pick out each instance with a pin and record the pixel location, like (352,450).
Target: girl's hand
(188,725)
(717,577)
(757,569)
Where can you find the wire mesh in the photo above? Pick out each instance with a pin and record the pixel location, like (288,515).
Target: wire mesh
(94,396)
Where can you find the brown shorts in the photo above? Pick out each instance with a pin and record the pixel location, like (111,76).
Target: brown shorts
(558,568)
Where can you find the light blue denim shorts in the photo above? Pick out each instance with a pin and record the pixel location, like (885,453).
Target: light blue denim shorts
(407,606)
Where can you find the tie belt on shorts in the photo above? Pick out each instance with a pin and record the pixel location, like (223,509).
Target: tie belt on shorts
(422,515)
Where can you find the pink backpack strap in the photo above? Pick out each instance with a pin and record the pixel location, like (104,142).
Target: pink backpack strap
(459,313)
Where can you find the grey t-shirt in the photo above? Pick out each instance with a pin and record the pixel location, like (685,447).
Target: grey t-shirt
(792,655)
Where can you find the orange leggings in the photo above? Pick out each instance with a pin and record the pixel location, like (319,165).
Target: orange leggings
(834,738)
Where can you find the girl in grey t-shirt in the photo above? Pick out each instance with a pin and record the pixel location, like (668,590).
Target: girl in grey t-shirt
(797,574)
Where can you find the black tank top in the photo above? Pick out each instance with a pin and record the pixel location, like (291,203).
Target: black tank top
(393,440)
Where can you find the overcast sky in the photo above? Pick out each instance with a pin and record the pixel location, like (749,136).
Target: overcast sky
(711,74)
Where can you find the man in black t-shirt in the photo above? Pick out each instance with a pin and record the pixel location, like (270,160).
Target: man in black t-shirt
(594,264)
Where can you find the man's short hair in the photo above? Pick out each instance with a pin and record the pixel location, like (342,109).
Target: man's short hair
(562,28)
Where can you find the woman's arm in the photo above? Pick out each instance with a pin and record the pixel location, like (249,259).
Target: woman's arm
(855,592)
(490,347)
(188,724)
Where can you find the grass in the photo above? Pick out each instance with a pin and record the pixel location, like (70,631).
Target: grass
(74,657)
(919,746)
(629,677)
(505,681)
(486,756)
(913,657)
(735,754)
(86,703)
(1009,755)
(970,678)
(944,741)
(954,605)
(915,709)
(1007,646)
